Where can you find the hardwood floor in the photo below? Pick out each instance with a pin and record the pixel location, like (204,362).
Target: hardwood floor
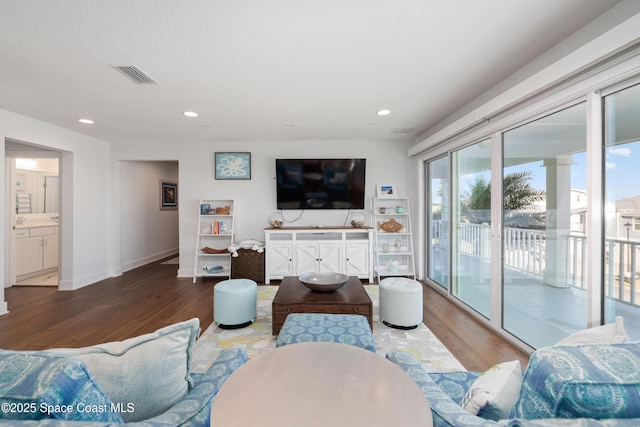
(150,297)
(138,302)
(476,346)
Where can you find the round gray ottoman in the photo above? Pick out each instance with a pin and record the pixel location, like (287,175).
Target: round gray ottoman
(235,303)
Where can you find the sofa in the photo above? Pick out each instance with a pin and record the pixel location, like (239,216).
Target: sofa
(143,381)
(585,385)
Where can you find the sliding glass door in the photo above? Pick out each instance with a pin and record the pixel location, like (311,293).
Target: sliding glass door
(543,236)
(622,208)
(437,172)
(470,228)
(555,249)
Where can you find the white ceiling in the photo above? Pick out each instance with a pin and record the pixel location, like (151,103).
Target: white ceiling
(268,70)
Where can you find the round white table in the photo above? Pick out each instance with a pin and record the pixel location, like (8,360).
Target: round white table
(320,384)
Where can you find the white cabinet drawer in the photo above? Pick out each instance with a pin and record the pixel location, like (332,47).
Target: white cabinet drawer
(21,234)
(42,231)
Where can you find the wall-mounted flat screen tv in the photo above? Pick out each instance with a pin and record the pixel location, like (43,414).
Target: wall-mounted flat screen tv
(320,183)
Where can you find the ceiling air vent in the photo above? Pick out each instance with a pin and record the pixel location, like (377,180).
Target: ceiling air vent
(137,75)
(402,130)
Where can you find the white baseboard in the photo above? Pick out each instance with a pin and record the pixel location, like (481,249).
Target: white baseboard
(147,260)
(185,272)
(3,308)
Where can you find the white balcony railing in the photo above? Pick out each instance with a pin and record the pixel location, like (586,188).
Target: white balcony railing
(525,251)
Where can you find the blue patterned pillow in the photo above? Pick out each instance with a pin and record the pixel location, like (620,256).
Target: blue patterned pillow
(592,381)
(38,385)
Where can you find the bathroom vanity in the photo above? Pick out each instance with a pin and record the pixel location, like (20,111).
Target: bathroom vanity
(36,248)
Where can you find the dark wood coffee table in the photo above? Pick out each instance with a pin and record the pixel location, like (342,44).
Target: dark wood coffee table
(294,297)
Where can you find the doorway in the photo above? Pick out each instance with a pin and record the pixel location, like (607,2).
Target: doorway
(34,214)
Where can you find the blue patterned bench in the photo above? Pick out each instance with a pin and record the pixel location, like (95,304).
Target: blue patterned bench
(349,329)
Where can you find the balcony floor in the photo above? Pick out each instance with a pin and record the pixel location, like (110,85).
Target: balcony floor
(537,313)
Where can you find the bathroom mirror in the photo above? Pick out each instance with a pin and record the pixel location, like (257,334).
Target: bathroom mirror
(36,192)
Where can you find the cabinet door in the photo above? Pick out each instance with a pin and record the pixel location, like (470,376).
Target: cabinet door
(357,259)
(307,258)
(50,251)
(28,255)
(330,257)
(280,260)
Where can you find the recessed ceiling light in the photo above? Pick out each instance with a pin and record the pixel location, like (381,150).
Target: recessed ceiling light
(190,114)
(383,112)
(86,121)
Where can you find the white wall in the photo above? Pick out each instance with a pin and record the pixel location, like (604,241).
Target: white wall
(85,191)
(387,162)
(99,238)
(146,232)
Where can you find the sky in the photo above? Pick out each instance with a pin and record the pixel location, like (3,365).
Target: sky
(622,172)
(622,177)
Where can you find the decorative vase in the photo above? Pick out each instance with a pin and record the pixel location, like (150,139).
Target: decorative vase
(357,220)
(276,220)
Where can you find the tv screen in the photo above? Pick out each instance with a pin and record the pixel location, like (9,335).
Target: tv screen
(320,183)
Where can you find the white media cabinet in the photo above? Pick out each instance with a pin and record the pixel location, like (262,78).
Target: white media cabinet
(291,251)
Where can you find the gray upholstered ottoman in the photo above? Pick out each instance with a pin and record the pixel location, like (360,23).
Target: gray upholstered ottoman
(234,303)
(350,329)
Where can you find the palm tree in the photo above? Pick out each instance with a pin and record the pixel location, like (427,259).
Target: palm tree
(518,194)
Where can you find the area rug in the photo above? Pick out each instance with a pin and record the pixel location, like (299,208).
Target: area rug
(175,260)
(257,338)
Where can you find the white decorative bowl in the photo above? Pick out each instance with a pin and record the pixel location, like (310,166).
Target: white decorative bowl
(323,282)
(214,269)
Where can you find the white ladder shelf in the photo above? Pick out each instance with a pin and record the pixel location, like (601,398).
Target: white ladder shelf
(394,246)
(215,233)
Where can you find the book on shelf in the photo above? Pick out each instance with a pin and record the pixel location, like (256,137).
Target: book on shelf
(217,227)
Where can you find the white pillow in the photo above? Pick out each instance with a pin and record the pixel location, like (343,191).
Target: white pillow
(493,393)
(605,334)
(146,374)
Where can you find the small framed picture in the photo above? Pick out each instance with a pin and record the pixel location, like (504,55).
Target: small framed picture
(168,195)
(387,190)
(233,165)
